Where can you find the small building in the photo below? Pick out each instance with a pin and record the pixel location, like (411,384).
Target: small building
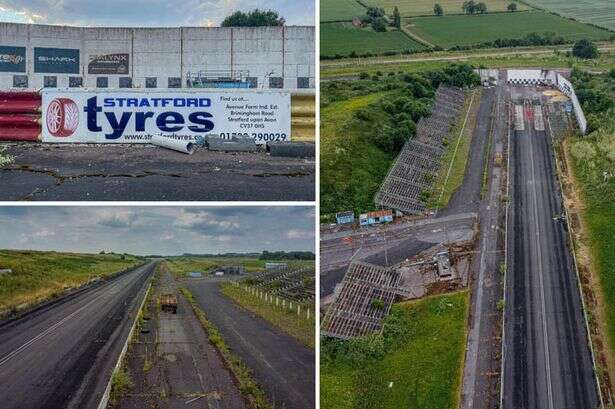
(194,274)
(344,217)
(275,266)
(232,270)
(443,263)
(377,217)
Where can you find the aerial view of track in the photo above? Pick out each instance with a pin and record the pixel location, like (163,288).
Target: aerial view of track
(62,355)
(547,359)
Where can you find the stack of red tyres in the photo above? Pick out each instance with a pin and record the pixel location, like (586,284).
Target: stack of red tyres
(20,116)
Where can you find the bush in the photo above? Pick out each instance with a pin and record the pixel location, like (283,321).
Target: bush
(585,49)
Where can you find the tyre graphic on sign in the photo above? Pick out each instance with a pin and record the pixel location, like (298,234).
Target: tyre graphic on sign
(62,117)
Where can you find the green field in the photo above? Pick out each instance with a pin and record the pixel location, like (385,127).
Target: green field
(179,266)
(409,8)
(39,275)
(416,362)
(340,10)
(449,31)
(343,39)
(599,12)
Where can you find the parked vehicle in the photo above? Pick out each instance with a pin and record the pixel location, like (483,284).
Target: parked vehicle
(168,302)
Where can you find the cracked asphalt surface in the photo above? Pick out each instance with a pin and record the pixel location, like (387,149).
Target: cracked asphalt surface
(148,173)
(62,355)
(283,366)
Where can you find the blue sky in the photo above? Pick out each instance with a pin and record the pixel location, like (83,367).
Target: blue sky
(146,13)
(157,230)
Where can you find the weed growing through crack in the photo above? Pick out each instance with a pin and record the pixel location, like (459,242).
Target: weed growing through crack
(5,159)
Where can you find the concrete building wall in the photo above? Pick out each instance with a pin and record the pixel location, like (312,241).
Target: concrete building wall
(276,56)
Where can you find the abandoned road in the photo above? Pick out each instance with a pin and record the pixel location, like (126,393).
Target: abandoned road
(284,367)
(62,356)
(141,172)
(547,360)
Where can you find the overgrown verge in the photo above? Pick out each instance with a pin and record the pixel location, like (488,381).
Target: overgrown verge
(294,323)
(588,166)
(37,276)
(121,383)
(416,362)
(247,385)
(455,157)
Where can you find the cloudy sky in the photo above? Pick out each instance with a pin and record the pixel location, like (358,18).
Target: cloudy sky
(157,230)
(147,13)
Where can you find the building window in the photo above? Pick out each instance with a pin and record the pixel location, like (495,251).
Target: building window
(125,82)
(102,82)
(151,82)
(50,81)
(175,82)
(75,82)
(253,81)
(276,82)
(20,81)
(303,82)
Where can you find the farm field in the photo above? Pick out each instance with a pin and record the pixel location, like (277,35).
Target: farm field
(449,31)
(343,39)
(409,8)
(340,10)
(414,363)
(599,12)
(40,275)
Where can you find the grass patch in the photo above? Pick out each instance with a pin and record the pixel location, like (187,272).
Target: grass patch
(425,7)
(344,39)
(599,12)
(547,57)
(450,31)
(179,266)
(299,327)
(121,383)
(340,10)
(41,275)
(420,352)
(248,386)
(456,154)
(593,158)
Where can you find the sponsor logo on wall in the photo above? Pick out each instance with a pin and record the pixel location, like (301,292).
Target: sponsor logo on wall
(109,64)
(56,60)
(12,59)
(134,117)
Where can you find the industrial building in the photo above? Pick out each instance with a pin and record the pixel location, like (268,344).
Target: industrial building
(45,56)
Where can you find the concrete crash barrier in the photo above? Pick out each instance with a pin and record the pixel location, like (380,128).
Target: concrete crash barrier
(233,144)
(292,149)
(174,144)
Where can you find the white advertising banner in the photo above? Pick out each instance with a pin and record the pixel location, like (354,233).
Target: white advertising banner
(133,116)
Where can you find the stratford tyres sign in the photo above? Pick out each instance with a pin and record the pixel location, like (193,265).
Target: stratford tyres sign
(56,60)
(12,59)
(135,116)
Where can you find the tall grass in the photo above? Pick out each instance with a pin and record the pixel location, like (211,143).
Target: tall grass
(40,275)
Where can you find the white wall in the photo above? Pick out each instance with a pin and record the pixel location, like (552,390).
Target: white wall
(264,52)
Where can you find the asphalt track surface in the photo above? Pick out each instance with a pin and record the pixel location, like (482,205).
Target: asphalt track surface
(547,361)
(53,172)
(284,367)
(62,356)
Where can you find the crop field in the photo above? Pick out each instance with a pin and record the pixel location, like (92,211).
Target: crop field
(409,8)
(39,275)
(449,31)
(599,12)
(340,10)
(415,363)
(343,39)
